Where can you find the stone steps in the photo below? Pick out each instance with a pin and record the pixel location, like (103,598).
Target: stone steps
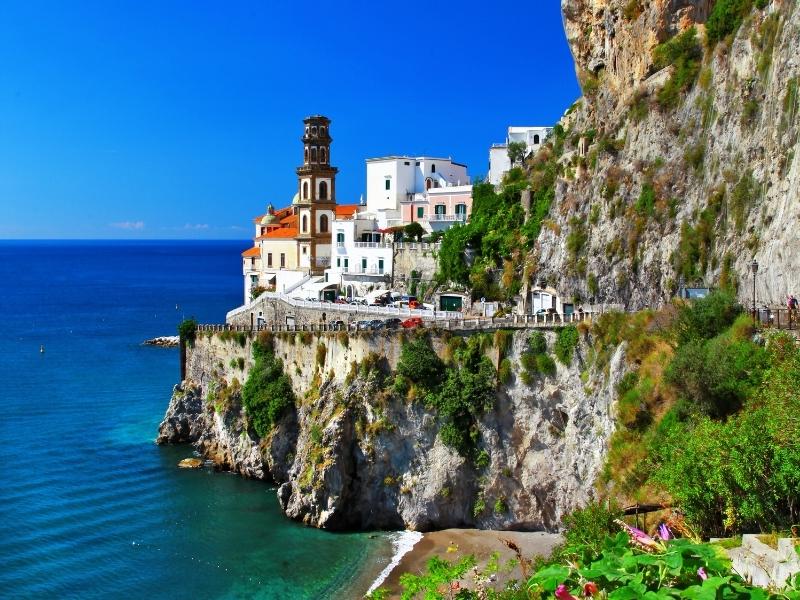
(763,565)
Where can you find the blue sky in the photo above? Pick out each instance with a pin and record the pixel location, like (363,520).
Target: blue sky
(182,119)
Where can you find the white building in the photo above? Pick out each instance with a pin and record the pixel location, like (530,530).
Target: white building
(499,163)
(435,192)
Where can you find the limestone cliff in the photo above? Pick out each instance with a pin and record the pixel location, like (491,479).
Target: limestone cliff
(654,191)
(353,454)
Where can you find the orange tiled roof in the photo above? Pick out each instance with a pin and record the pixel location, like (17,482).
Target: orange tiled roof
(254,251)
(346,210)
(280,232)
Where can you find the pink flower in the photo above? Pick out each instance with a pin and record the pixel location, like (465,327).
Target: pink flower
(639,537)
(701,573)
(664,533)
(590,589)
(562,593)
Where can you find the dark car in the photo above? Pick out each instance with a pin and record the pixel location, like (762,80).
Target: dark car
(338,325)
(392,323)
(376,324)
(363,325)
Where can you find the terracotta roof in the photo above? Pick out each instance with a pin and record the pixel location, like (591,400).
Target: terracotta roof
(254,251)
(346,210)
(280,232)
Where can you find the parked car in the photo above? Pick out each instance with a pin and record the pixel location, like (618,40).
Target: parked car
(339,325)
(361,325)
(412,322)
(392,323)
(376,324)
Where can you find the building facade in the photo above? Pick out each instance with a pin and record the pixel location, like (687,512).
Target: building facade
(434,192)
(500,164)
(294,243)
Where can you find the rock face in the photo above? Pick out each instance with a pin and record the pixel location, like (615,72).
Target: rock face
(722,163)
(354,455)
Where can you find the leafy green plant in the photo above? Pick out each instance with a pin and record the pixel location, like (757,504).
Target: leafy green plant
(187,331)
(566,342)
(725,19)
(267,393)
(684,52)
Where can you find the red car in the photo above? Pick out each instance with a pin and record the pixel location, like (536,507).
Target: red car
(412,322)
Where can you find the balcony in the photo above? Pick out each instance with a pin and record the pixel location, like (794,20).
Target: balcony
(369,244)
(446,218)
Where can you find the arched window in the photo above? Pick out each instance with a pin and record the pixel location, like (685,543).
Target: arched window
(314,130)
(305,190)
(323,156)
(428,183)
(323,224)
(304,229)
(536,139)
(433,168)
(305,154)
(322,130)
(323,190)
(313,154)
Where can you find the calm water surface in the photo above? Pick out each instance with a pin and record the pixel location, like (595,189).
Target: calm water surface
(91,508)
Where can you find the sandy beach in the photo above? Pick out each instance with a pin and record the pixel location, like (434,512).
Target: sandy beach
(452,544)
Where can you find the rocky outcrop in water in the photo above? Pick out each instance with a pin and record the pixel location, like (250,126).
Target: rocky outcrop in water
(353,454)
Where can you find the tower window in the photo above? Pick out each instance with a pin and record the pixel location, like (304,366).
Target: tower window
(323,224)
(388,183)
(323,190)
(433,168)
(323,156)
(322,130)
(536,139)
(305,224)
(305,154)
(314,130)
(305,190)
(313,154)
(428,183)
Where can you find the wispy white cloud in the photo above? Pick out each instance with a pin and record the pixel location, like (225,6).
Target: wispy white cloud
(237,227)
(196,226)
(128,225)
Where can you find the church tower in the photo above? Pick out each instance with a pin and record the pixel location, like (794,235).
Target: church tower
(316,195)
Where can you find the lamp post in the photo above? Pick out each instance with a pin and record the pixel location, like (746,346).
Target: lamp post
(754,267)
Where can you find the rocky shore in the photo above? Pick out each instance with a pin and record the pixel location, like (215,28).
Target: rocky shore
(351,454)
(165,341)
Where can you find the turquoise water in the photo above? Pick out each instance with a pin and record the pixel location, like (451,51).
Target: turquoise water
(91,508)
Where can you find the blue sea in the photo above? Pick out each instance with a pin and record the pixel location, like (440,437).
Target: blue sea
(91,507)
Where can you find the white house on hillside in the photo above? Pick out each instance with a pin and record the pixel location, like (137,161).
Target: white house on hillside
(434,192)
(499,163)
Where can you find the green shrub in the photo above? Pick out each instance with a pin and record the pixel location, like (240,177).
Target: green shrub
(742,198)
(537,342)
(500,506)
(566,342)
(187,331)
(586,529)
(505,373)
(482,460)
(420,364)
(267,393)
(694,155)
(545,364)
(716,376)
(725,19)
(684,52)
(706,317)
(466,392)
(646,203)
(743,474)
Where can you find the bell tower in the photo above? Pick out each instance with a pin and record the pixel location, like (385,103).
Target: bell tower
(316,194)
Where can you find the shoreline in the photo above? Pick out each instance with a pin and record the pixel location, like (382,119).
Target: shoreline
(453,544)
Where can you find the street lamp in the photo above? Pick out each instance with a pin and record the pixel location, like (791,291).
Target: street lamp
(754,266)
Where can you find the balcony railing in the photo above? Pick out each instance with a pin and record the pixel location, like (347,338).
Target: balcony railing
(369,244)
(458,217)
(323,261)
